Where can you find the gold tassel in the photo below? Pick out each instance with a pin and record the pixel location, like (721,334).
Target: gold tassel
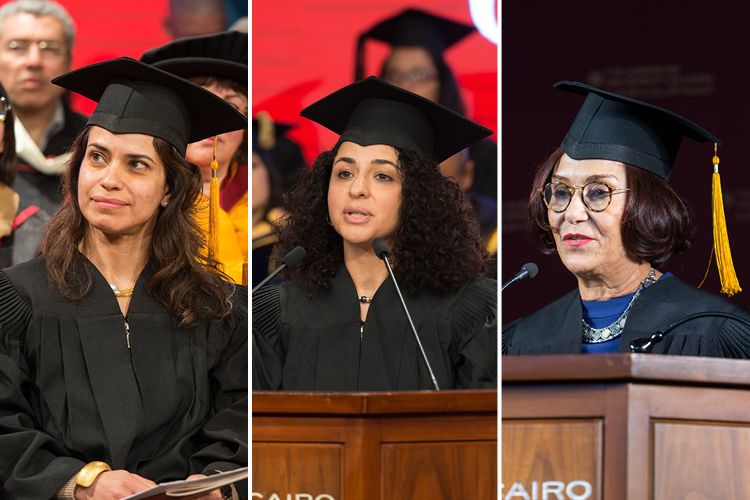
(266,130)
(213,211)
(729,283)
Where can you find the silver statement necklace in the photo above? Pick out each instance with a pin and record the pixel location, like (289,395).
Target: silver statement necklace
(598,335)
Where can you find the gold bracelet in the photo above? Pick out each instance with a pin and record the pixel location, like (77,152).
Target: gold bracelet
(89,473)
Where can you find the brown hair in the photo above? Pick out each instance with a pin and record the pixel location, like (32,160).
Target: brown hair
(656,223)
(186,282)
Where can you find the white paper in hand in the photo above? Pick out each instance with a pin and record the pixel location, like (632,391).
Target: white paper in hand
(192,486)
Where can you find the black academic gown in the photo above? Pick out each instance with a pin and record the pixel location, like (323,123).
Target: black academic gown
(303,344)
(556,328)
(72,392)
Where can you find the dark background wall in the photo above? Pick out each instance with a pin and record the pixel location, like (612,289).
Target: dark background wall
(691,60)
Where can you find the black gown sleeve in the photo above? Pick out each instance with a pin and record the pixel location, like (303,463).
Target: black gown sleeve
(507,336)
(474,319)
(223,439)
(33,465)
(268,357)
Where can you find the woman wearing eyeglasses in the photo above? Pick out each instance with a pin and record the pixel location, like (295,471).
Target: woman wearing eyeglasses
(603,204)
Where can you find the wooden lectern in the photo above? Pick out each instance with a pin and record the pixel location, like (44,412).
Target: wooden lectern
(625,426)
(374,446)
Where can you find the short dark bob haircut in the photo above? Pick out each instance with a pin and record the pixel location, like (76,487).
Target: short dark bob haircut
(656,223)
(437,243)
(186,282)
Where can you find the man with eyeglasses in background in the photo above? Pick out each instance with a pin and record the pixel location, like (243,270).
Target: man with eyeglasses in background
(36,42)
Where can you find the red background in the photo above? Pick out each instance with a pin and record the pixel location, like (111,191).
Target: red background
(303,50)
(109,29)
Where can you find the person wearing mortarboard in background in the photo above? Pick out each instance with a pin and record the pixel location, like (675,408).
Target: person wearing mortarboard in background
(151,340)
(416,63)
(338,324)
(267,200)
(603,204)
(218,63)
(286,153)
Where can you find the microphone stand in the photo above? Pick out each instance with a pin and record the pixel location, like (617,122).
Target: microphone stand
(645,345)
(411,323)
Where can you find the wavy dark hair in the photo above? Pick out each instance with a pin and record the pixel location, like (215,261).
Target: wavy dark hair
(449,96)
(8,158)
(437,228)
(186,282)
(657,222)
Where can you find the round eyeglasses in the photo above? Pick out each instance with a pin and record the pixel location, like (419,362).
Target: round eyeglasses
(595,195)
(4,108)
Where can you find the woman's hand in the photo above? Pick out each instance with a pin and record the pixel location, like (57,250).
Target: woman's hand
(214,494)
(113,485)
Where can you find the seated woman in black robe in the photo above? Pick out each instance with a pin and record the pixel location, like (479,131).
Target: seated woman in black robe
(339,325)
(122,347)
(603,204)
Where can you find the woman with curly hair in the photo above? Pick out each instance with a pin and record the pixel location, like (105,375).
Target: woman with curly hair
(123,352)
(338,324)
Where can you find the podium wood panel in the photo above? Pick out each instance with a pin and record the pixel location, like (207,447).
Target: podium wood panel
(713,461)
(308,467)
(439,470)
(671,427)
(437,445)
(565,450)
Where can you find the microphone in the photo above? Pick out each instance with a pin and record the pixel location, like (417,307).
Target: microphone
(528,270)
(294,257)
(645,345)
(382,251)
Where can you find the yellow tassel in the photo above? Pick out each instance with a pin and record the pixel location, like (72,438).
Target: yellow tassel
(729,283)
(213,211)
(266,130)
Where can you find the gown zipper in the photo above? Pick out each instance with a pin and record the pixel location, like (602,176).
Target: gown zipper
(127,330)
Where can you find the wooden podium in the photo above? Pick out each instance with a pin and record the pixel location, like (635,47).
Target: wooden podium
(625,426)
(374,446)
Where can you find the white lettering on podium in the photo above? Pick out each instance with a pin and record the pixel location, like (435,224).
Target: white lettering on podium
(556,487)
(517,491)
(587,490)
(551,490)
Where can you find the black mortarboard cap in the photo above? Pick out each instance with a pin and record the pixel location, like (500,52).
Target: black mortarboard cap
(413,28)
(222,54)
(372,111)
(613,127)
(135,98)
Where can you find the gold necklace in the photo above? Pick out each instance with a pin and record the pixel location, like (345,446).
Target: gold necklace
(126,292)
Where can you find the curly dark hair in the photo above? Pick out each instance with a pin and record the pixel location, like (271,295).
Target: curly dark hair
(186,282)
(657,222)
(437,228)
(8,158)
